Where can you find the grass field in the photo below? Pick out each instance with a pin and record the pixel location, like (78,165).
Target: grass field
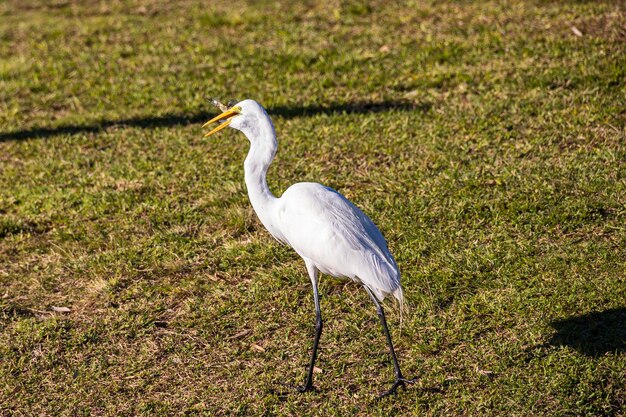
(486,139)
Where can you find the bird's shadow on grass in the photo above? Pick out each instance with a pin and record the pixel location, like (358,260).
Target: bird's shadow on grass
(593,334)
(170,120)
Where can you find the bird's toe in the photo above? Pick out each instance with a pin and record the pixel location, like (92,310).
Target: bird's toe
(400,382)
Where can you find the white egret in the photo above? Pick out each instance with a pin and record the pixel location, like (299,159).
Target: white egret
(330,233)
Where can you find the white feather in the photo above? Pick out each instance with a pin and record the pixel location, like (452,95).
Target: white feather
(324,227)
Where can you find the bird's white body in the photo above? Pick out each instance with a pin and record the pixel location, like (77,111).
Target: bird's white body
(329,232)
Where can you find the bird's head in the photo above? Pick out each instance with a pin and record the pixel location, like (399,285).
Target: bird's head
(247,116)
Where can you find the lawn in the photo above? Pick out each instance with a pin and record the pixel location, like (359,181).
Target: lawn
(486,139)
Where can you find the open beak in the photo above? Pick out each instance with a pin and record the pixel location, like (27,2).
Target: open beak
(227,116)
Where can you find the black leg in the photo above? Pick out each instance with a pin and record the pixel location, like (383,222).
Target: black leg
(400,380)
(308,385)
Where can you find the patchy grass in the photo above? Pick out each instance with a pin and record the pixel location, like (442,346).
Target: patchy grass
(486,139)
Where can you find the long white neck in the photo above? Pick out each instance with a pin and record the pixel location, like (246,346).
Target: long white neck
(257,162)
(263,147)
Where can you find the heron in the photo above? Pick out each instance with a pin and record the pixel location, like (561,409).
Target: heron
(330,233)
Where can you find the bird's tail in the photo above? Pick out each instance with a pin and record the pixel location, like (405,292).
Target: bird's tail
(399,296)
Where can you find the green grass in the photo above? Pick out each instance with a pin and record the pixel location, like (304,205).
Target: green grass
(486,139)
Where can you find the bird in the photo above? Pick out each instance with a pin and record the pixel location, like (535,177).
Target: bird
(325,229)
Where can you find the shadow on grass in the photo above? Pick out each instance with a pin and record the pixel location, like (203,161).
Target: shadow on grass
(15,311)
(169,120)
(593,334)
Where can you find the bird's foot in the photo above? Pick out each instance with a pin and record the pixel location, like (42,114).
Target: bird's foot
(305,388)
(400,382)
(301,388)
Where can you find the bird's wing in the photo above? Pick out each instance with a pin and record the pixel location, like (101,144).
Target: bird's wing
(324,226)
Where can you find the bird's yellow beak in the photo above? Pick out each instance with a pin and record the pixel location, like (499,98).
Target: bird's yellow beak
(228,115)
